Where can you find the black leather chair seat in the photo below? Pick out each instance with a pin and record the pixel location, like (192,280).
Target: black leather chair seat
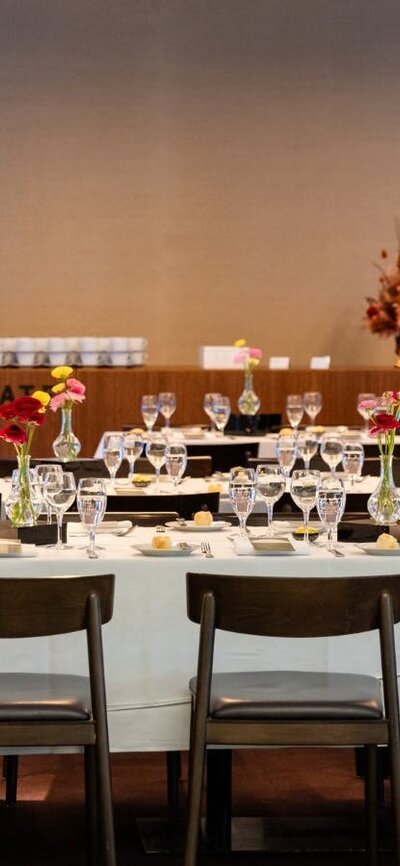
(45,697)
(293,695)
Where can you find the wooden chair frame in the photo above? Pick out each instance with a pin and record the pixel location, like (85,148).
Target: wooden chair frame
(291,607)
(32,607)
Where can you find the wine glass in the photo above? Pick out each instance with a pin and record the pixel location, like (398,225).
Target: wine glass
(113,452)
(294,409)
(208,406)
(312,402)
(307,447)
(363,411)
(304,488)
(133,447)
(155,453)
(91,502)
(167,405)
(353,460)
(149,409)
(222,411)
(60,493)
(271,485)
(175,462)
(331,501)
(331,451)
(286,452)
(41,472)
(242,494)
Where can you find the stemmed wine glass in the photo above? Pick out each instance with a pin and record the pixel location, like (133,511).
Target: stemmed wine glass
(91,502)
(331,451)
(271,485)
(353,460)
(363,411)
(133,447)
(312,402)
(294,409)
(167,405)
(304,488)
(286,452)
(175,462)
(242,494)
(60,492)
(208,406)
(331,501)
(42,470)
(113,452)
(149,408)
(221,412)
(307,447)
(155,453)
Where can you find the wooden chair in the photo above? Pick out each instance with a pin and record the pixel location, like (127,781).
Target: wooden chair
(138,518)
(184,504)
(286,708)
(47,710)
(197,466)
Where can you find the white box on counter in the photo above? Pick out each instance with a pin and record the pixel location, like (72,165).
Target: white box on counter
(221,357)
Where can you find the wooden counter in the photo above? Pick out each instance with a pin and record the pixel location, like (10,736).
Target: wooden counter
(113,395)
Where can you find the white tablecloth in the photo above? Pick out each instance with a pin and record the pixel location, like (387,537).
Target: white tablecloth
(150,646)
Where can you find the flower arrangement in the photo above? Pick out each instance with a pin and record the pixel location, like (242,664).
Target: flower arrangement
(384,503)
(382,315)
(250,358)
(66,393)
(248,402)
(23,415)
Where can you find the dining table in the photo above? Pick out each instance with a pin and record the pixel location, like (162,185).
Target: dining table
(150,646)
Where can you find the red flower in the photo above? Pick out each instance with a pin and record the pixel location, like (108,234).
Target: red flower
(14,433)
(7,411)
(384,422)
(26,407)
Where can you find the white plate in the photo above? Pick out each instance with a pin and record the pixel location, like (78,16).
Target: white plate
(191,526)
(243,547)
(25,551)
(175,550)
(371,548)
(111,527)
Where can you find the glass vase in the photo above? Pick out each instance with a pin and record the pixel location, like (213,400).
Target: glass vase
(384,503)
(248,402)
(24,502)
(67,446)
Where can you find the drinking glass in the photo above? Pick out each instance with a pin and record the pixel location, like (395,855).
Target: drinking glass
(167,405)
(149,409)
(222,411)
(155,453)
(13,500)
(242,494)
(91,502)
(353,460)
(331,451)
(133,447)
(312,402)
(364,412)
(60,493)
(113,452)
(304,488)
(331,500)
(41,472)
(271,485)
(175,462)
(294,409)
(286,452)
(307,446)
(208,406)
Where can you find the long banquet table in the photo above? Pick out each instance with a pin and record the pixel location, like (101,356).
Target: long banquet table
(150,646)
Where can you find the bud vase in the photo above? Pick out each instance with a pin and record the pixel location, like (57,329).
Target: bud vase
(384,503)
(24,502)
(67,446)
(248,402)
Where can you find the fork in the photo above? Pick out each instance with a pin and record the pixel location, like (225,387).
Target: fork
(206,549)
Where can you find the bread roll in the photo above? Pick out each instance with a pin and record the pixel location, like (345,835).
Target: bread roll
(203,518)
(161,541)
(386,541)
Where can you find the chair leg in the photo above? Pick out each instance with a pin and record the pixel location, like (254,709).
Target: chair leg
(394,753)
(10,770)
(106,818)
(194,800)
(219,799)
(371,802)
(91,806)
(174,770)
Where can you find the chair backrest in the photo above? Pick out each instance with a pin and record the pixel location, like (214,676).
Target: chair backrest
(254,424)
(138,518)
(184,504)
(38,606)
(197,466)
(293,607)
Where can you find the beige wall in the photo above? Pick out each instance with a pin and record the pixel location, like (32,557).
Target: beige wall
(198,171)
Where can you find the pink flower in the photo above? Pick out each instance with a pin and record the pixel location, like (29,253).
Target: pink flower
(240,357)
(255,353)
(76,387)
(58,400)
(367,404)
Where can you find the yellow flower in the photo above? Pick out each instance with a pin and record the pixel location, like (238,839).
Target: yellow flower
(59,388)
(240,343)
(43,398)
(61,372)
